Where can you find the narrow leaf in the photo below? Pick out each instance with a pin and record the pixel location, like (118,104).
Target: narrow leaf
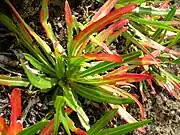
(48,129)
(104,66)
(41,42)
(73,103)
(168,17)
(126,116)
(119,91)
(39,81)
(69,24)
(104,57)
(127,77)
(79,131)
(158,24)
(102,122)
(13,81)
(44,15)
(15,101)
(122,129)
(104,10)
(103,35)
(60,115)
(32,130)
(160,47)
(3,126)
(98,25)
(98,94)
(38,65)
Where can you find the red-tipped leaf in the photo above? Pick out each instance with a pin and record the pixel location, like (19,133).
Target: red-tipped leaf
(100,24)
(68,15)
(127,77)
(162,48)
(79,131)
(48,129)
(104,57)
(3,126)
(104,10)
(115,26)
(15,101)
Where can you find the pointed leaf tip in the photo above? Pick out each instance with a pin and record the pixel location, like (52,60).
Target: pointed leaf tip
(105,57)
(68,14)
(15,101)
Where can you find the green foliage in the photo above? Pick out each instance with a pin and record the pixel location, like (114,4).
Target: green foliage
(32,130)
(75,72)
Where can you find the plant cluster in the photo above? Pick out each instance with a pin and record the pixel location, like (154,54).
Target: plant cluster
(88,68)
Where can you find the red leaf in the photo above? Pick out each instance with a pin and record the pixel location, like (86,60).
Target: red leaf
(115,26)
(162,48)
(68,15)
(127,77)
(15,101)
(165,4)
(79,131)
(105,57)
(146,61)
(122,69)
(104,10)
(100,24)
(48,129)
(150,84)
(3,126)
(15,129)
(69,111)
(121,92)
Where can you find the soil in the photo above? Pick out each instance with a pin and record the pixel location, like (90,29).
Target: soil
(163,109)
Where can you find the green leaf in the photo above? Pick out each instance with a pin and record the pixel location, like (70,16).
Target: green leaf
(38,65)
(34,128)
(169,16)
(98,94)
(44,15)
(69,24)
(122,129)
(41,82)
(60,115)
(102,122)
(13,81)
(175,40)
(153,11)
(104,66)
(60,67)
(177,61)
(72,102)
(172,76)
(158,24)
(42,43)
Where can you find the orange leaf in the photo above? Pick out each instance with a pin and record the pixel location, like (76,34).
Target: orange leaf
(80,132)
(48,129)
(68,16)
(105,57)
(69,111)
(15,101)
(104,10)
(3,126)
(128,77)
